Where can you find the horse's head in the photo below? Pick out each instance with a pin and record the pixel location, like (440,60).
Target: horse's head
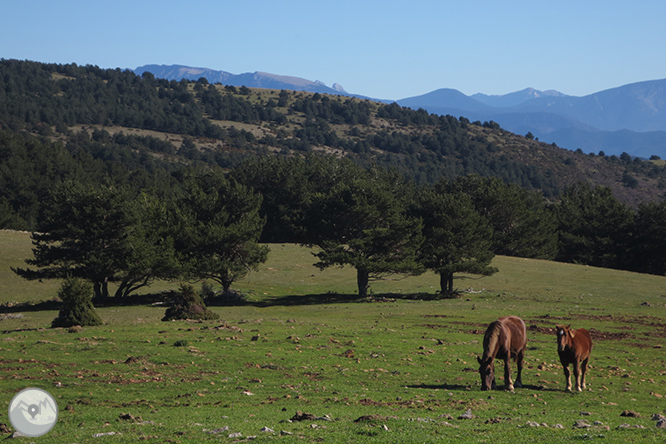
(487,372)
(564,336)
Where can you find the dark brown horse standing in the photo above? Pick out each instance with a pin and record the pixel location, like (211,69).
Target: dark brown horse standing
(574,347)
(505,339)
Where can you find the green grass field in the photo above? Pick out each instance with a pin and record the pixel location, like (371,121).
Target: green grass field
(401,369)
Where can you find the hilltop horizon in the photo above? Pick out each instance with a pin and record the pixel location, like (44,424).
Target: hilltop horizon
(628,118)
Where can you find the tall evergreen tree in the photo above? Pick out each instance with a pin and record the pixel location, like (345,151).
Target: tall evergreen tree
(594,227)
(522,224)
(457,238)
(364,223)
(287,186)
(648,244)
(219,228)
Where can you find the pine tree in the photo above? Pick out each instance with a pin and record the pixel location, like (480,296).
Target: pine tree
(364,223)
(219,229)
(594,227)
(457,238)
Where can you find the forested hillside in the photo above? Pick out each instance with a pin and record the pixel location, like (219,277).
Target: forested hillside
(125,123)
(182,167)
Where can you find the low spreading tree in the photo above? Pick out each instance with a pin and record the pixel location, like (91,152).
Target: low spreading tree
(104,236)
(84,233)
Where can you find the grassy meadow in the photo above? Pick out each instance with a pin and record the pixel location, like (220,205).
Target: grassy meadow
(304,360)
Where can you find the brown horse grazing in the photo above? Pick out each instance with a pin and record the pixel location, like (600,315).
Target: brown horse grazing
(574,347)
(504,339)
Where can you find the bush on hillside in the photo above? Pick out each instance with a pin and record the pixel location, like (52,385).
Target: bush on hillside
(188,305)
(77,308)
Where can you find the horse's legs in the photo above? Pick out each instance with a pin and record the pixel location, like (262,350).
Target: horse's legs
(493,385)
(519,364)
(583,372)
(567,376)
(576,369)
(508,385)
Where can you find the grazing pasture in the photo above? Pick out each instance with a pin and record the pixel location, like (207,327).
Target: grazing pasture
(304,360)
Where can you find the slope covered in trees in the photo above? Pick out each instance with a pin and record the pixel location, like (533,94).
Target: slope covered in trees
(119,124)
(383,178)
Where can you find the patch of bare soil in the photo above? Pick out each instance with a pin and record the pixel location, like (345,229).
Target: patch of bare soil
(596,335)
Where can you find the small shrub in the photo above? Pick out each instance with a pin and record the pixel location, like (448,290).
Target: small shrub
(77,308)
(188,305)
(181,343)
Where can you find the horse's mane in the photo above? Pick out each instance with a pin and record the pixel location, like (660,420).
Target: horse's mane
(490,339)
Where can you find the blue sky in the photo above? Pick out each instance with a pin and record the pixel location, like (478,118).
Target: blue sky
(383,49)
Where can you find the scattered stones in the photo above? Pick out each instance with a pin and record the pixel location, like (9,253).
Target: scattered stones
(630,414)
(99,435)
(220,430)
(582,424)
(235,435)
(661,424)
(628,426)
(658,417)
(267,430)
(467,415)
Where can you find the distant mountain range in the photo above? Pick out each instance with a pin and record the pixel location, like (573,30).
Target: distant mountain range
(629,118)
(251,80)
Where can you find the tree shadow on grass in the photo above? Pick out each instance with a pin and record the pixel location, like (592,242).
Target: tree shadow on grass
(163,298)
(166,298)
(336,298)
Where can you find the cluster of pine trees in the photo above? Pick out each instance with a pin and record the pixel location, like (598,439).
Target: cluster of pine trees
(214,226)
